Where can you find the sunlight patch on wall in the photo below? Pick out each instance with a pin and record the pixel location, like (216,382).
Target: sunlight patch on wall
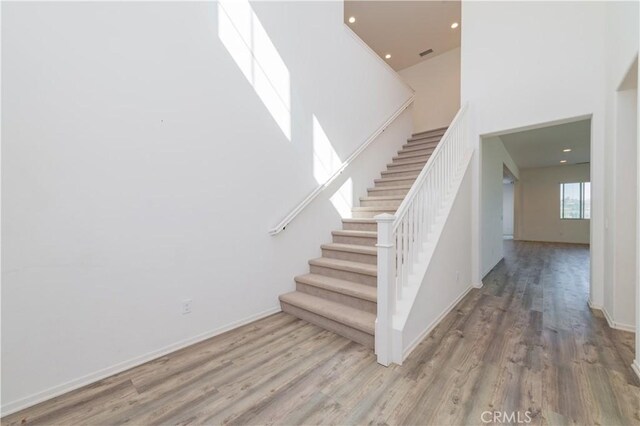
(342,200)
(325,159)
(246,40)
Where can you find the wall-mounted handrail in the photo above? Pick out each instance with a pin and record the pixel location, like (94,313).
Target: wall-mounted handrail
(402,237)
(309,198)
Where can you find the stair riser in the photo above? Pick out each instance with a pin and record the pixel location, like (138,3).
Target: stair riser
(386,183)
(410,162)
(433,135)
(413,168)
(354,302)
(413,159)
(347,255)
(382,192)
(360,241)
(369,214)
(348,226)
(328,324)
(428,139)
(376,203)
(344,275)
(421,155)
(401,173)
(414,154)
(417,146)
(430,132)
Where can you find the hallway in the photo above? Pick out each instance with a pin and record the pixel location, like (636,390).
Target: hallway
(525,342)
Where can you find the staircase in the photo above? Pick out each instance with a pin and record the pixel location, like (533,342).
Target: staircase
(339,293)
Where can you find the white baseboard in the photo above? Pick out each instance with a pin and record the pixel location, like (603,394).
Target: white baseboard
(616,325)
(20,404)
(593,305)
(635,366)
(607,317)
(478,285)
(434,323)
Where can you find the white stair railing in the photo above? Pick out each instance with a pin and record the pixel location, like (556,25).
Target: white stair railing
(401,237)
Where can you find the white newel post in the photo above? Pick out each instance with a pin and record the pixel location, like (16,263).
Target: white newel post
(386,287)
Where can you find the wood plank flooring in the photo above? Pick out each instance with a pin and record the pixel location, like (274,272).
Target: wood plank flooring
(525,342)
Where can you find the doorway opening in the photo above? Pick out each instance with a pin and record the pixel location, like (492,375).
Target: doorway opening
(535,186)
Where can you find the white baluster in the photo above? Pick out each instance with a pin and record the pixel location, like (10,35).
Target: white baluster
(405,252)
(412,245)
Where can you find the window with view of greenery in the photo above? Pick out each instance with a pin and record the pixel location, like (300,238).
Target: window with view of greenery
(575,200)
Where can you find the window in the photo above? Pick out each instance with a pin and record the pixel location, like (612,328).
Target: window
(575,200)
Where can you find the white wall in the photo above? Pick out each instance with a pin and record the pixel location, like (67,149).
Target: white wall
(436,82)
(141,168)
(636,362)
(514,76)
(539,209)
(624,212)
(531,77)
(507,208)
(494,158)
(621,171)
(448,276)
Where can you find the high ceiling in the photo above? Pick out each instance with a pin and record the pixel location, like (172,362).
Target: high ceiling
(403,29)
(544,147)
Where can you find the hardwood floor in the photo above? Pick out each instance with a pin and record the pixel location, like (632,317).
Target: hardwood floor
(525,343)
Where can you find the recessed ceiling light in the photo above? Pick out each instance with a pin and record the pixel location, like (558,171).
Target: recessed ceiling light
(388,56)
(454,25)
(352,19)
(563,161)
(566,150)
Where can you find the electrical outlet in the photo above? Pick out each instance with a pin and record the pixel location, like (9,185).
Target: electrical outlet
(186,306)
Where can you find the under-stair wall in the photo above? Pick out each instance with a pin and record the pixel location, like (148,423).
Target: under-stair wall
(448,276)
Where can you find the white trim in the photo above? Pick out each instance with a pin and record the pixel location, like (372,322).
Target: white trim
(593,305)
(478,285)
(407,351)
(623,327)
(52,392)
(309,198)
(614,324)
(535,126)
(610,321)
(635,366)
